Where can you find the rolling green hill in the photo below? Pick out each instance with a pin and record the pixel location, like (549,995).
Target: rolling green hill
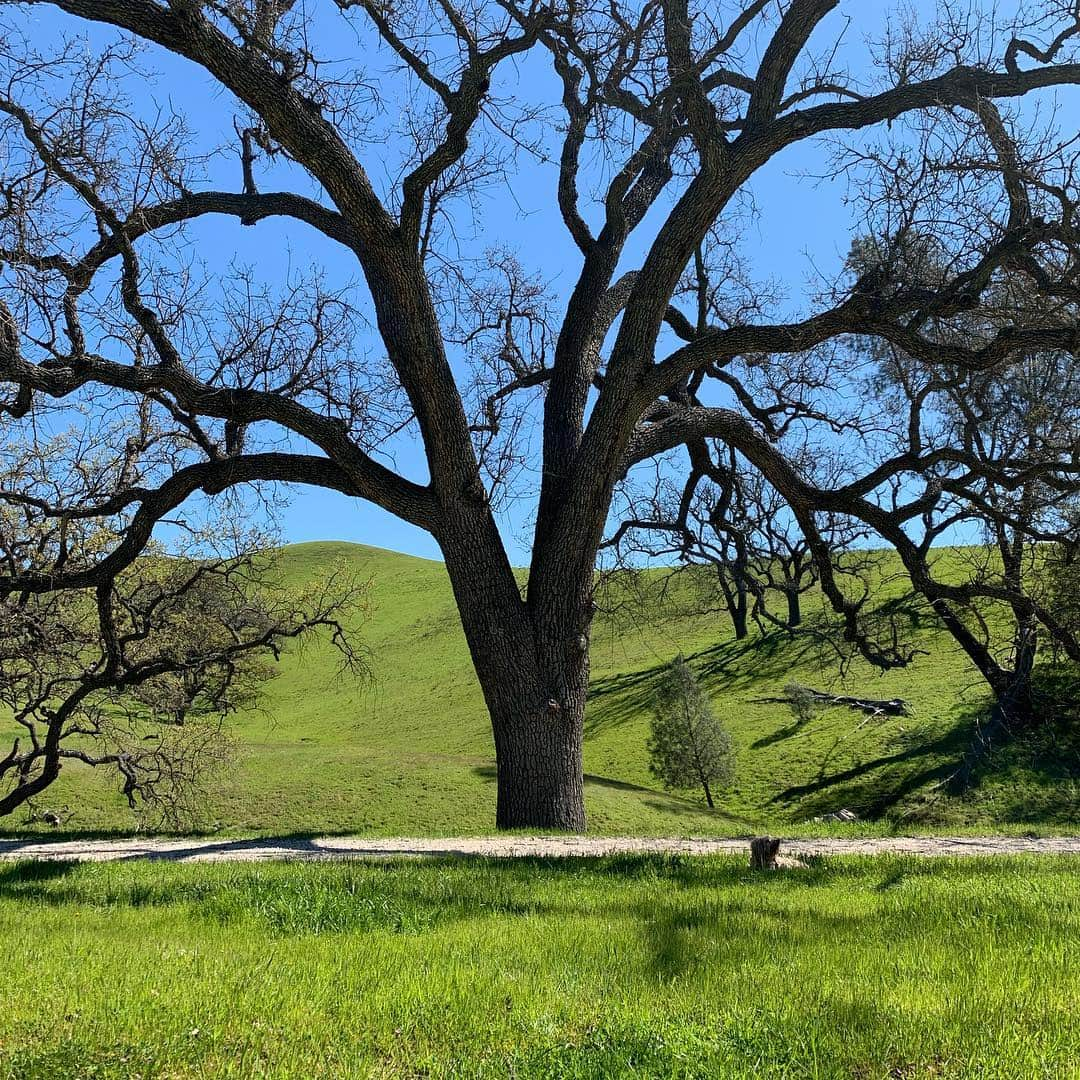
(411,752)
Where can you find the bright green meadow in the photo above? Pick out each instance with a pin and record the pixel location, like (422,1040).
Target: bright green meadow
(650,967)
(410,751)
(643,967)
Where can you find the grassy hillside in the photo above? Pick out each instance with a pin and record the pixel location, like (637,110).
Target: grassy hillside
(411,752)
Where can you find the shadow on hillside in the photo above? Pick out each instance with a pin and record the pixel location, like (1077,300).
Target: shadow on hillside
(788,731)
(657,800)
(871,788)
(669,804)
(1036,775)
(736,665)
(490,774)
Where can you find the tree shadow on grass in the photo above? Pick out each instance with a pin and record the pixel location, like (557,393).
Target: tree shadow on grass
(615,700)
(788,731)
(687,808)
(399,894)
(1039,772)
(24,880)
(1036,773)
(490,773)
(662,801)
(873,787)
(680,938)
(763,658)
(751,923)
(434,889)
(687,911)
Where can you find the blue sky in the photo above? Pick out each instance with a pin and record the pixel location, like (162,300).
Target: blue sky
(803,227)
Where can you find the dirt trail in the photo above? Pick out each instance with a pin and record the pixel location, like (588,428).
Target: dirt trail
(348,847)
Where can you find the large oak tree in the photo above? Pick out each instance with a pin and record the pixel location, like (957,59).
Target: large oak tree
(662,113)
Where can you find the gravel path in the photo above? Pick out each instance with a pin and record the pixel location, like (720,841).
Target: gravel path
(348,847)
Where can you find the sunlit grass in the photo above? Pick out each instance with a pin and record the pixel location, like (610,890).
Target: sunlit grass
(411,753)
(579,968)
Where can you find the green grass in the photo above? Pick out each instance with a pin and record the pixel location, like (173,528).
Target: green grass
(648,967)
(411,753)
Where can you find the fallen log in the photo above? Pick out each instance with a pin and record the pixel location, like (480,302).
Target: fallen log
(870,706)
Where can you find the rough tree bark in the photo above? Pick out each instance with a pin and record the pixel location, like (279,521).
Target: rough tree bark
(534,676)
(794,607)
(763,852)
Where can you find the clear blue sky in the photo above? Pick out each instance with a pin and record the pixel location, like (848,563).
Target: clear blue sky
(802,224)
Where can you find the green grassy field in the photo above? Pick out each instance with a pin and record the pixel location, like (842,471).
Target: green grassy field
(871,968)
(411,752)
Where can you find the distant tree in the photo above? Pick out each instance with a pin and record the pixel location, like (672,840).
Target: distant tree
(702,522)
(983,459)
(725,516)
(803,702)
(140,679)
(688,745)
(1013,488)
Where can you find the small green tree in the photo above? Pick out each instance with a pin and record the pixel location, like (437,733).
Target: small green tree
(688,745)
(803,702)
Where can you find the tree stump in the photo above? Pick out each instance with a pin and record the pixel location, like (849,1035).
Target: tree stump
(763,852)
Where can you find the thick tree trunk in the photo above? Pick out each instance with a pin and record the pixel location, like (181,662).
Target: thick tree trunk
(538,744)
(738,621)
(794,608)
(533,668)
(538,754)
